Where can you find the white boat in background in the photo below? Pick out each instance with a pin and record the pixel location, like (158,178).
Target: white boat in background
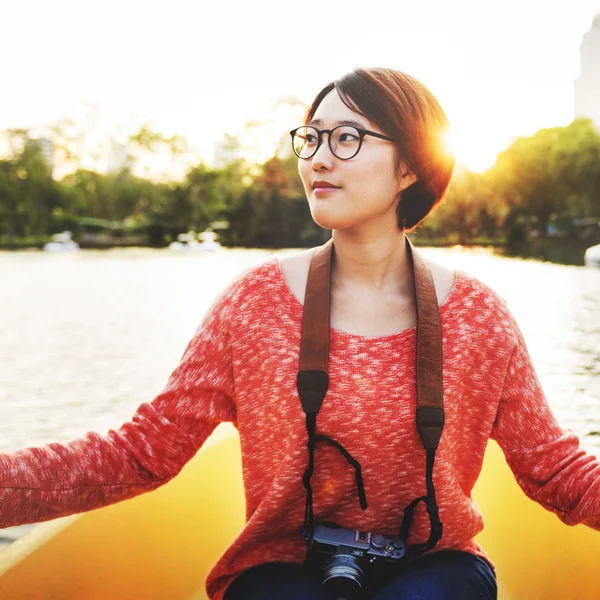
(209,241)
(61,242)
(592,256)
(187,242)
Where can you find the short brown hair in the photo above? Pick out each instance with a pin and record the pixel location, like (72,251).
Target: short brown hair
(403,108)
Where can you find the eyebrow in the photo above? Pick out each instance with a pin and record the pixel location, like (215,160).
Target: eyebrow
(345,122)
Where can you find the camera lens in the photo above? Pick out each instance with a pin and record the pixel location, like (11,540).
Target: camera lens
(342,576)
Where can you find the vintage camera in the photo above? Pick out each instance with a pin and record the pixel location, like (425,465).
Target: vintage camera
(346,559)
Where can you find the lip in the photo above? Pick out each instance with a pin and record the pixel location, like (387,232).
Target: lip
(318,191)
(324,185)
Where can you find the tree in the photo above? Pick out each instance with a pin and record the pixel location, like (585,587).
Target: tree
(554,172)
(577,163)
(37,194)
(9,200)
(149,142)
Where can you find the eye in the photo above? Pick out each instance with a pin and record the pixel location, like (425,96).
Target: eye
(310,138)
(348,137)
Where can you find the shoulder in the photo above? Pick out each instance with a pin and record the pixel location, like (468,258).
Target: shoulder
(444,279)
(483,309)
(258,279)
(246,290)
(476,293)
(294,268)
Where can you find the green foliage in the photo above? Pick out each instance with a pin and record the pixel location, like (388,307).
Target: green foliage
(546,183)
(28,195)
(273,211)
(554,173)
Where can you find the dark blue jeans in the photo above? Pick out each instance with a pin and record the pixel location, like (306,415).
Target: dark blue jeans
(445,575)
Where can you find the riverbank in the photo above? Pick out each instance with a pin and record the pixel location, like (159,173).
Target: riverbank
(550,249)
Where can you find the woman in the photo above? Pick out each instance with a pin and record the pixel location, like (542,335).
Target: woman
(373,166)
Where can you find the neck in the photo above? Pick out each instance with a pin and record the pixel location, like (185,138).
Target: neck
(378,263)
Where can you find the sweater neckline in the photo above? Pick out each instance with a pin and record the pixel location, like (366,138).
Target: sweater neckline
(297,309)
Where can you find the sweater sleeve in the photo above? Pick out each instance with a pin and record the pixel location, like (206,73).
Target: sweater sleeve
(547,461)
(42,483)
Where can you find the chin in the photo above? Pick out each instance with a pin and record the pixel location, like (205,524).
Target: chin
(328,218)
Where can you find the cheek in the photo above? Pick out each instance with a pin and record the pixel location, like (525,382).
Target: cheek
(304,172)
(388,181)
(378,182)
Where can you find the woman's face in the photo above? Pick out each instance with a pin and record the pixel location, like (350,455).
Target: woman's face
(367,189)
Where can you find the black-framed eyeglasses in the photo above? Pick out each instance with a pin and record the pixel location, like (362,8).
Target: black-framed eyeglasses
(344,141)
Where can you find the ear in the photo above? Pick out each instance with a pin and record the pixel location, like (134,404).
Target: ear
(406,180)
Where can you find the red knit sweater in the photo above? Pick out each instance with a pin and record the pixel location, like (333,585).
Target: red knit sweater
(241,366)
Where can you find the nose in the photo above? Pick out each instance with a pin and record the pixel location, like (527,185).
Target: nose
(323,157)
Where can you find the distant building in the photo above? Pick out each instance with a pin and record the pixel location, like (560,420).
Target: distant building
(47,147)
(118,158)
(587,85)
(226,151)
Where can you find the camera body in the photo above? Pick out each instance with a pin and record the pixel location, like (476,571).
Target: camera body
(346,559)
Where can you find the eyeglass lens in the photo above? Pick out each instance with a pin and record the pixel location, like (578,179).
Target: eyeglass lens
(344,141)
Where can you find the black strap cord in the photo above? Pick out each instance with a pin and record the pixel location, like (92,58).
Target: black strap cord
(309,518)
(362,496)
(313,438)
(432,510)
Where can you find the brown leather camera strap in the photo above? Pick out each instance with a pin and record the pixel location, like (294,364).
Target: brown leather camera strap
(314,344)
(313,375)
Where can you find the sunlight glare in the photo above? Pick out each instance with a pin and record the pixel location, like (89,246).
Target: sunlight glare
(471,149)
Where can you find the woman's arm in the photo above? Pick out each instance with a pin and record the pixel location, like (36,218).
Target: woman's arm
(547,461)
(37,484)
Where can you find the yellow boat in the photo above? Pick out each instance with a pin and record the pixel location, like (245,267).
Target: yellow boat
(161,545)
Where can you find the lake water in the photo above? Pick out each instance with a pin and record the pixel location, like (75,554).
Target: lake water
(86,337)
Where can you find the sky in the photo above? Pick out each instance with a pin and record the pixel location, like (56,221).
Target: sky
(196,69)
